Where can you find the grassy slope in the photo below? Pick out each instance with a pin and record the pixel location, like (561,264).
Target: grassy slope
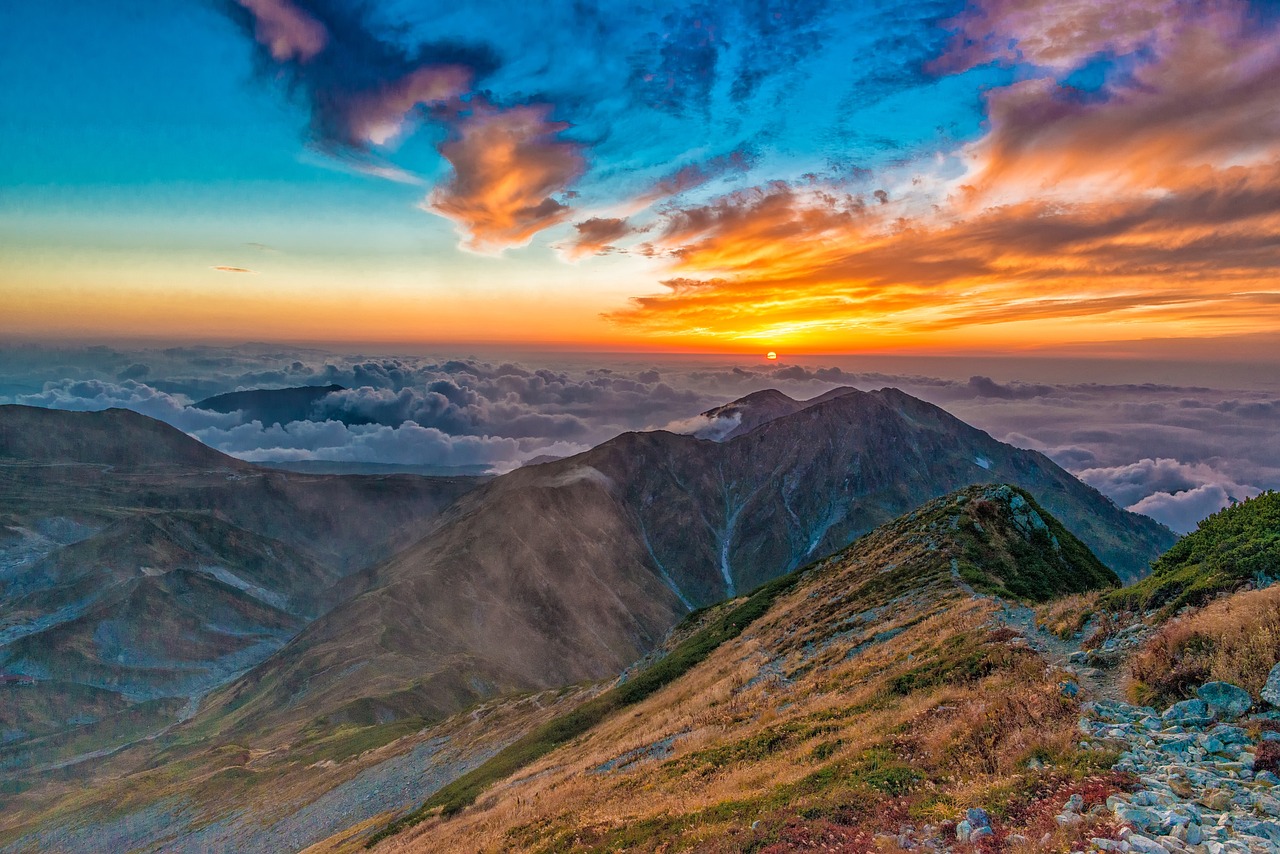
(1225,552)
(862,642)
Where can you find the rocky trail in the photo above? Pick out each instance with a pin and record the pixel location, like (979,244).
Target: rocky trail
(1206,767)
(1202,787)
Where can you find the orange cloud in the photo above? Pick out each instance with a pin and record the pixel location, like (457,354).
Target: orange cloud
(1209,99)
(803,264)
(507,165)
(1155,202)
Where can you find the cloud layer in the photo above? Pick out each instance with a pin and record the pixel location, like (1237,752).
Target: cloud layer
(1172,450)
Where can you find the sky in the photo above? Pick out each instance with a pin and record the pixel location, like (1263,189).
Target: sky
(1044,177)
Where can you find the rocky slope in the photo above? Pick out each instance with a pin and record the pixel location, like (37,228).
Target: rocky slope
(570,570)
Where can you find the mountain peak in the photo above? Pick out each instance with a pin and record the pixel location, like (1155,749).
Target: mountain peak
(741,416)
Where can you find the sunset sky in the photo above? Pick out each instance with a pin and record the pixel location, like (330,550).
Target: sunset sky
(799,176)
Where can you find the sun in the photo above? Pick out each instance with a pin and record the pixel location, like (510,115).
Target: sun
(771,356)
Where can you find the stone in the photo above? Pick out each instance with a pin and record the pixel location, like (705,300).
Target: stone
(1216,800)
(977,817)
(1075,803)
(1145,844)
(963,831)
(1225,700)
(1188,713)
(1271,691)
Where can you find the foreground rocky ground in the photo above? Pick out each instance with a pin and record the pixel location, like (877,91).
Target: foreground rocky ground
(1207,774)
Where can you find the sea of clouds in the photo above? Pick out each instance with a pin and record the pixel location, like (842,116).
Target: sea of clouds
(1175,452)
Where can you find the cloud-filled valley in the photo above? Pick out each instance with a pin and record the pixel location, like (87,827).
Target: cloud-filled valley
(1177,452)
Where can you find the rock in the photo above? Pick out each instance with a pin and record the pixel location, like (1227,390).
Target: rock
(963,831)
(1138,842)
(1075,803)
(977,817)
(1188,713)
(1225,700)
(1271,691)
(1216,800)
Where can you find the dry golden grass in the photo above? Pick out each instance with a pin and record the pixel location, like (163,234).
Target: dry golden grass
(1068,615)
(1234,639)
(928,753)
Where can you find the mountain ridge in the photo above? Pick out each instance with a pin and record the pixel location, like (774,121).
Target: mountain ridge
(609,547)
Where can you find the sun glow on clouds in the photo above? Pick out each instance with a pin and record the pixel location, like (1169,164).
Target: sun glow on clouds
(1153,204)
(1113,173)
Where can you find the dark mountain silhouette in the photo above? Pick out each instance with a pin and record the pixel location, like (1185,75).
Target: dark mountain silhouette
(271,405)
(113,437)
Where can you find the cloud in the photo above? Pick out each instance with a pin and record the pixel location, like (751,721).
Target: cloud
(361,85)
(406,444)
(695,175)
(987,387)
(507,165)
(96,395)
(595,236)
(1176,493)
(136,371)
(705,426)
(1183,511)
(1055,34)
(224,269)
(287,32)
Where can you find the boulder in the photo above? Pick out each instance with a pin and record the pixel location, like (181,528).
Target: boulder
(1225,700)
(1271,691)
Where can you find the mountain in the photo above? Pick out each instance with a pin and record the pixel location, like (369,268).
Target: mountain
(747,413)
(568,571)
(874,689)
(140,569)
(271,405)
(888,670)
(114,437)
